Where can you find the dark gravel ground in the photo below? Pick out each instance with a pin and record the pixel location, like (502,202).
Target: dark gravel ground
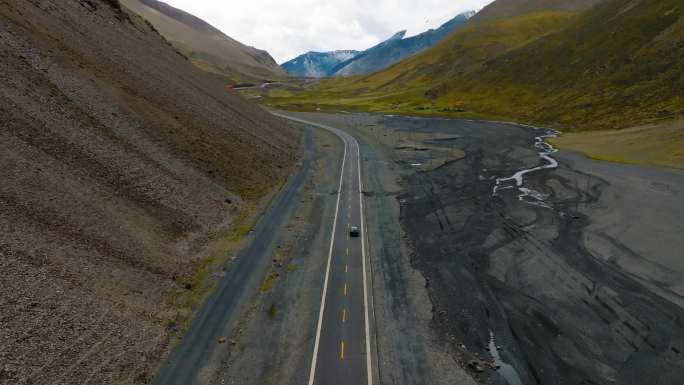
(524,274)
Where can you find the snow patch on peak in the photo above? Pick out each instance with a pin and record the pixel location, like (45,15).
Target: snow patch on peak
(343,55)
(397,36)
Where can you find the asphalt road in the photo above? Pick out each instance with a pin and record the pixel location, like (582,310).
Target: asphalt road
(342,354)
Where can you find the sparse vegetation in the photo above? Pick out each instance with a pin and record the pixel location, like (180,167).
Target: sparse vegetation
(412,86)
(114,4)
(268,282)
(207,273)
(657,145)
(272,311)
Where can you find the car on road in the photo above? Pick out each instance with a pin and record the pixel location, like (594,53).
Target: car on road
(354,231)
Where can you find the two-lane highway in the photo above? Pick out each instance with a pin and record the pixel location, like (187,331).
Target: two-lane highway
(342,354)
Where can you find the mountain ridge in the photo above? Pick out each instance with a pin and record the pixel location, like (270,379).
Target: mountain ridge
(504,9)
(317,64)
(382,55)
(399,47)
(208,47)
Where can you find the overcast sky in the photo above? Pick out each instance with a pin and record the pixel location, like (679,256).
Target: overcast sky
(288,28)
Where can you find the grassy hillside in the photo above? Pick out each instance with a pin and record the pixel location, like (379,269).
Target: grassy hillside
(504,9)
(659,144)
(616,65)
(208,48)
(403,88)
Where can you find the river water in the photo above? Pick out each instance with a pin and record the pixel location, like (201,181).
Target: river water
(517,180)
(506,371)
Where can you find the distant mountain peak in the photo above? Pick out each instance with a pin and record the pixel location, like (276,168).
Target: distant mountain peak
(396,48)
(317,64)
(397,36)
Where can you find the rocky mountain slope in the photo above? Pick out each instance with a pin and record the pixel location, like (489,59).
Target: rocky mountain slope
(398,48)
(121,162)
(206,46)
(317,64)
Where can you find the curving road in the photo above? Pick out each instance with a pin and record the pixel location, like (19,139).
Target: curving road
(342,354)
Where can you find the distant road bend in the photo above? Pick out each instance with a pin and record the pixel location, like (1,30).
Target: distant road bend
(342,354)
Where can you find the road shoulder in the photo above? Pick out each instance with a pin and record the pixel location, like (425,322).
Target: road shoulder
(273,341)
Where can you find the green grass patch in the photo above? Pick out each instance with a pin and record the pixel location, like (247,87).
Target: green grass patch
(206,272)
(268,282)
(659,144)
(197,283)
(272,311)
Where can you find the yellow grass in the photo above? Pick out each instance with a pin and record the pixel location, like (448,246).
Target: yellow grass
(657,145)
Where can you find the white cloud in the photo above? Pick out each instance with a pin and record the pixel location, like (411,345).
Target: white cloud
(289,28)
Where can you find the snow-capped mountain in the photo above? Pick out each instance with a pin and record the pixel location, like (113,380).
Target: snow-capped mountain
(382,55)
(317,64)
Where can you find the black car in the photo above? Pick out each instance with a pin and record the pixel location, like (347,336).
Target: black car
(354,231)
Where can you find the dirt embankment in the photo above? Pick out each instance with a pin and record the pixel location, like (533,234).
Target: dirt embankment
(120,161)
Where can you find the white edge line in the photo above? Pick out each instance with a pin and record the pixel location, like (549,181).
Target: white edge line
(363,264)
(337,132)
(312,372)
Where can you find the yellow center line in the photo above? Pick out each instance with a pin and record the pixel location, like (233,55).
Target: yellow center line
(341,350)
(345,289)
(344,315)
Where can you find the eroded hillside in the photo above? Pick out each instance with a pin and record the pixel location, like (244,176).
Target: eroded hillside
(120,162)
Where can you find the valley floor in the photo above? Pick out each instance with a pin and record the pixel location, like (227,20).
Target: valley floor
(273,342)
(581,281)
